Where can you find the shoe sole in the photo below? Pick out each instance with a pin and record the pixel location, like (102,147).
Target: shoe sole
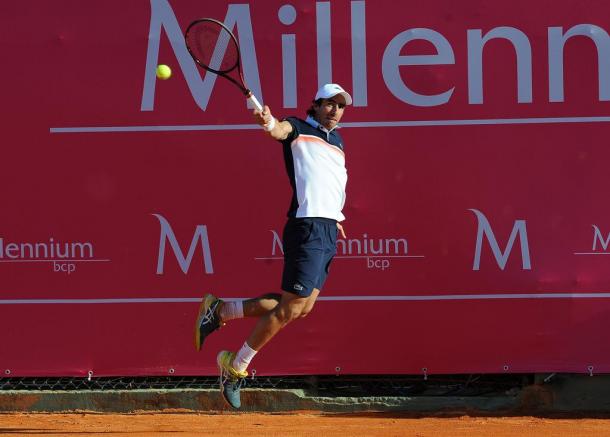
(203,308)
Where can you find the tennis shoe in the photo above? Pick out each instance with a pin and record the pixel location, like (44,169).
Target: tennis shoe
(208,319)
(231,380)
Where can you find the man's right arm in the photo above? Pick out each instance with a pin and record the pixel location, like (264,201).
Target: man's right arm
(278,130)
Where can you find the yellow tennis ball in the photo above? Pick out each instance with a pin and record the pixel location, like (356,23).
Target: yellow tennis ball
(164,72)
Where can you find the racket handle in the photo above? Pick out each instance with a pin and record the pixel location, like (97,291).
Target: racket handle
(252,99)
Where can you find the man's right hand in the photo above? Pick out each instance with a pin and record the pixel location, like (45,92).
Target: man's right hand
(264,117)
(278,130)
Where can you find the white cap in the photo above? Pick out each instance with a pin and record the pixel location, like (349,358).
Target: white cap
(331,90)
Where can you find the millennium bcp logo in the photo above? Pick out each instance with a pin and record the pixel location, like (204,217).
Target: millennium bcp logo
(63,256)
(376,252)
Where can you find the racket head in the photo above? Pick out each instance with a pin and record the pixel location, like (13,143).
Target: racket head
(212,46)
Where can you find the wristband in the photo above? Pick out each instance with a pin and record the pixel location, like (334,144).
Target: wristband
(269,126)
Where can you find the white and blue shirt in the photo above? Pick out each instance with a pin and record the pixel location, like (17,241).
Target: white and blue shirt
(315,162)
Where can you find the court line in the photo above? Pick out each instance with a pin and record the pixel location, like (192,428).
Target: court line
(390,298)
(356,124)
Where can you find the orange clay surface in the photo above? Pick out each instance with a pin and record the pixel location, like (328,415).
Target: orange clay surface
(296,424)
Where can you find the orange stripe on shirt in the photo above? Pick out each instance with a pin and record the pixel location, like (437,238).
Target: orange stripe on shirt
(318,140)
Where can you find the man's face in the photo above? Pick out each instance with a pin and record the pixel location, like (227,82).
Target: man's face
(330,111)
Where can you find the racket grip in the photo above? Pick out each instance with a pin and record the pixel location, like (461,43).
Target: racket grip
(252,99)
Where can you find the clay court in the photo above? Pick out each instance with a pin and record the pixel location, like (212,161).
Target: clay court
(469,294)
(301,424)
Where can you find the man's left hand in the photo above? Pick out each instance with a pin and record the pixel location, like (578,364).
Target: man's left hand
(341,230)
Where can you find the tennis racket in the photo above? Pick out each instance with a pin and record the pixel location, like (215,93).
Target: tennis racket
(215,49)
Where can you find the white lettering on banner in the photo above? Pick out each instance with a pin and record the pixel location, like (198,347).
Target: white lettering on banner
(392,60)
(597,236)
(51,249)
(162,16)
(323,46)
(484,228)
(287,15)
(239,16)
(277,243)
(475,62)
(201,235)
(557,40)
(359,84)
(366,246)
(377,252)
(63,256)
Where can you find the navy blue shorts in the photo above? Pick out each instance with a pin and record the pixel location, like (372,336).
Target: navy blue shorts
(309,247)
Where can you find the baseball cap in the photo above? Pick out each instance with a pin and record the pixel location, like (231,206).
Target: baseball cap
(331,90)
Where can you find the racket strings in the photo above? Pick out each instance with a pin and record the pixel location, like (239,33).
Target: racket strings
(213,47)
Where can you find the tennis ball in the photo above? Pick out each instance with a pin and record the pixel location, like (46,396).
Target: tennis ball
(164,72)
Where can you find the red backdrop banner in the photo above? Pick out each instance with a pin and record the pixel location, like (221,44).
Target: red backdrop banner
(478,225)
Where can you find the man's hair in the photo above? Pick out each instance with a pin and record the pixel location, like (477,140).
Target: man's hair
(311,112)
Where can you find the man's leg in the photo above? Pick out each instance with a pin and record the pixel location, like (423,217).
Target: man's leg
(291,307)
(261,305)
(304,271)
(214,312)
(264,307)
(310,302)
(255,307)
(233,366)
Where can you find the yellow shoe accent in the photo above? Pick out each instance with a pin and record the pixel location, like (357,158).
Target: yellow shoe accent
(225,359)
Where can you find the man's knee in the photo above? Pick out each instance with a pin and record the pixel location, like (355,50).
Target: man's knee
(290,312)
(304,313)
(288,315)
(311,300)
(306,310)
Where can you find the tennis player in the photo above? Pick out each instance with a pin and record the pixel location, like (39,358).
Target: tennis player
(315,162)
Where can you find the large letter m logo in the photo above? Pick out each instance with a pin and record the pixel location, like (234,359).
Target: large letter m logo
(484,229)
(201,235)
(598,237)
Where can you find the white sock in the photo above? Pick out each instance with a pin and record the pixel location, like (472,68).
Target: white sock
(232,310)
(243,358)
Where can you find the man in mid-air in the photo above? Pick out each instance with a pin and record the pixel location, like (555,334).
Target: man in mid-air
(315,161)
